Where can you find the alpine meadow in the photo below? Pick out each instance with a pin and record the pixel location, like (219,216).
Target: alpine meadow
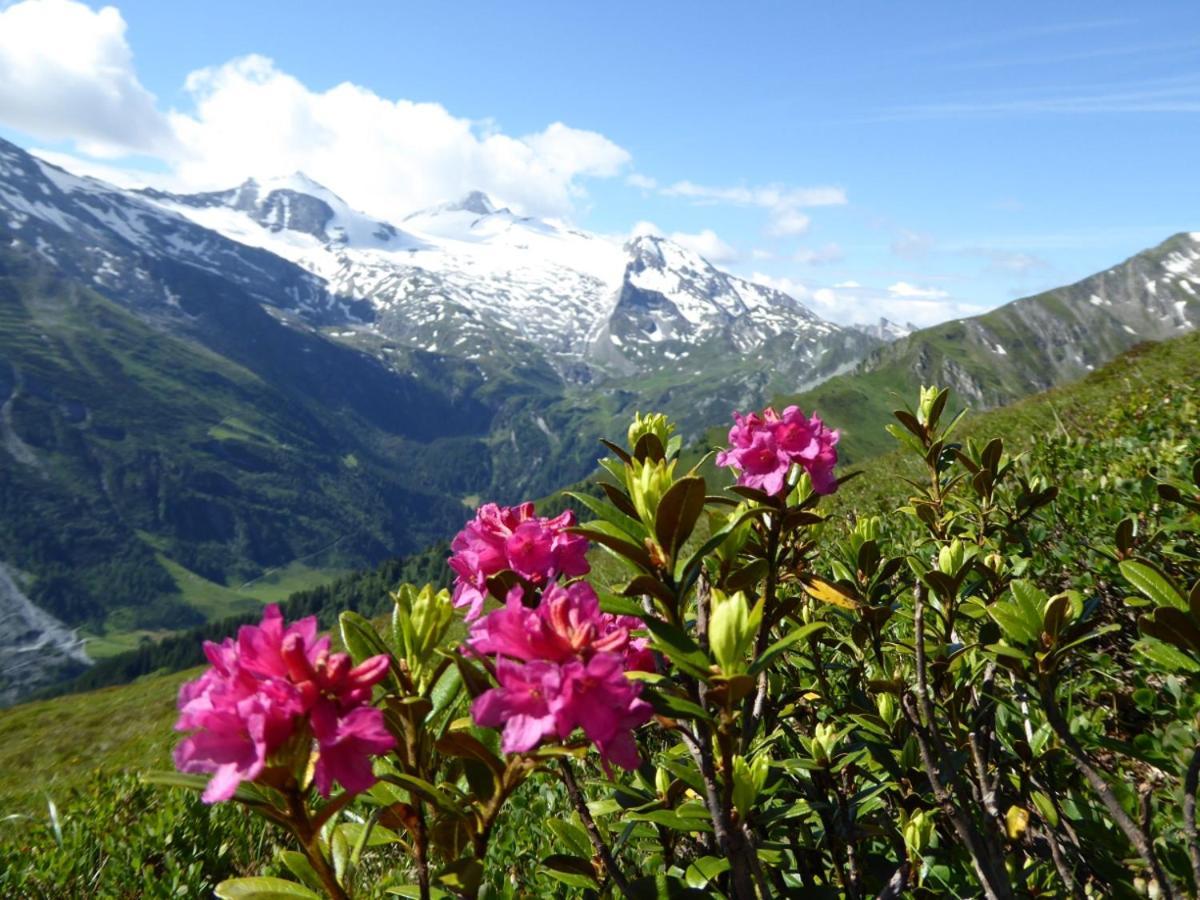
(511,452)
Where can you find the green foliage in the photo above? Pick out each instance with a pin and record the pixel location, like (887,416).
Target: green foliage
(973,671)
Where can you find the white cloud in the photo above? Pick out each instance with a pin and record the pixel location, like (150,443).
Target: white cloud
(638,180)
(904,289)
(769,197)
(822,256)
(761,253)
(784,204)
(384,156)
(707,244)
(645,228)
(66,71)
(785,222)
(787,285)
(851,301)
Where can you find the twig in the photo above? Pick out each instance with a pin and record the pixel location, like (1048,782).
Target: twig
(897,884)
(589,824)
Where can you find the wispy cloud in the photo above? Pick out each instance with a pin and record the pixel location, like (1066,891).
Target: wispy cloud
(1163,95)
(1023,35)
(1057,58)
(784,204)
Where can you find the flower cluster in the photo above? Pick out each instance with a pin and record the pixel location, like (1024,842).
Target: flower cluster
(764,446)
(273,685)
(562,666)
(512,538)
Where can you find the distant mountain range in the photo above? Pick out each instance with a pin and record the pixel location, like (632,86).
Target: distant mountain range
(199,388)
(1023,347)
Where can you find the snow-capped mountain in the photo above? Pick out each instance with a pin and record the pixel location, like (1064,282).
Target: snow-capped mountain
(886,330)
(473,279)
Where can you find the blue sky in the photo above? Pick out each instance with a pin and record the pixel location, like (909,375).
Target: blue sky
(921,161)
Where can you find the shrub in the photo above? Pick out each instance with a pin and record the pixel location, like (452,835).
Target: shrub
(991,690)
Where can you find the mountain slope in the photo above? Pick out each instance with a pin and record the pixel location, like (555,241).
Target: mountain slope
(1021,348)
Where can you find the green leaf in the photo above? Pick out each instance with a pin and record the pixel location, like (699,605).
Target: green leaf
(617,541)
(572,870)
(340,851)
(607,512)
(666,703)
(1154,584)
(678,512)
(704,870)
(678,647)
(574,837)
(445,692)
(263,889)
(298,864)
(363,641)
(414,891)
(784,643)
(462,876)
(1170,658)
(246,793)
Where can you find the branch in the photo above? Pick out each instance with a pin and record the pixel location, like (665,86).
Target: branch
(897,884)
(995,882)
(1190,781)
(589,824)
(991,874)
(1140,840)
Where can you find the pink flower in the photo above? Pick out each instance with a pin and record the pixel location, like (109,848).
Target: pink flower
(345,746)
(764,447)
(261,690)
(597,697)
(499,538)
(260,647)
(231,744)
(520,704)
(567,622)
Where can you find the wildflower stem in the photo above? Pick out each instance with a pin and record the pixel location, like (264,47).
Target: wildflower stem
(302,827)
(589,824)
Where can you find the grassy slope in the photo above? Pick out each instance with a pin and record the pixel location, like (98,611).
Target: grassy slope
(51,746)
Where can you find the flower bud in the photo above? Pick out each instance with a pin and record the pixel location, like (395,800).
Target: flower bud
(951,557)
(732,626)
(928,396)
(748,781)
(648,482)
(885,704)
(653,423)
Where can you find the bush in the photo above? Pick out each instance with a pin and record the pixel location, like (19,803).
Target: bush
(990,689)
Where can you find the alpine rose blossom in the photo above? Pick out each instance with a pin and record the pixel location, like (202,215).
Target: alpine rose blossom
(265,686)
(763,447)
(538,549)
(567,622)
(561,666)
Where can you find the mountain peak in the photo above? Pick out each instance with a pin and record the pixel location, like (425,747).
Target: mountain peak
(475,202)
